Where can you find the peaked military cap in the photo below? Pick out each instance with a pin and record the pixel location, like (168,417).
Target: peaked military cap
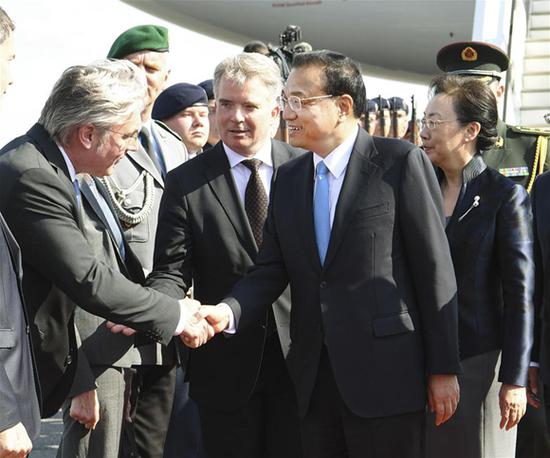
(397,103)
(381,103)
(371,106)
(208,86)
(140,38)
(472,58)
(177,98)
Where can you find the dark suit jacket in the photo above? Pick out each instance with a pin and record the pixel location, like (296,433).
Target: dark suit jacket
(61,270)
(204,237)
(19,389)
(492,251)
(384,303)
(541,215)
(100,347)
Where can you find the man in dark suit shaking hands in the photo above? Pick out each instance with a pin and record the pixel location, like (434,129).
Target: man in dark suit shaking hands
(210,227)
(356,228)
(85,127)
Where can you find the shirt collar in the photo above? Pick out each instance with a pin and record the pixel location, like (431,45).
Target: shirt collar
(337,160)
(263,154)
(70,166)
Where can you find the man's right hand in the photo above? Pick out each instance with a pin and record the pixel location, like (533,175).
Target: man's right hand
(217,316)
(443,396)
(85,409)
(15,442)
(197,331)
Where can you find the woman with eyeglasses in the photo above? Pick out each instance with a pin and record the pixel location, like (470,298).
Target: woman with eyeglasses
(490,236)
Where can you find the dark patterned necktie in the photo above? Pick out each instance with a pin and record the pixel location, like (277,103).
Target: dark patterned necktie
(255,200)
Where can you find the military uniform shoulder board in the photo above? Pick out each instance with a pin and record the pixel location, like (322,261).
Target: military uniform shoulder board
(530,130)
(167,129)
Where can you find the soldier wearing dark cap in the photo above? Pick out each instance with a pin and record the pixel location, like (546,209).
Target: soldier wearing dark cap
(383,119)
(135,190)
(213,136)
(184,108)
(368,120)
(399,112)
(520,153)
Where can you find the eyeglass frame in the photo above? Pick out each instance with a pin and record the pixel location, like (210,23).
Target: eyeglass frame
(125,137)
(431,124)
(286,100)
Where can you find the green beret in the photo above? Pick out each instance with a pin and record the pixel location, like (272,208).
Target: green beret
(140,38)
(472,58)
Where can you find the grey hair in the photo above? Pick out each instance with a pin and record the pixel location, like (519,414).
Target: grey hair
(6,25)
(244,66)
(104,93)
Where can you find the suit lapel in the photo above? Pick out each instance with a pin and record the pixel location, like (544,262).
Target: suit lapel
(141,158)
(173,157)
(358,170)
(13,248)
(40,137)
(223,186)
(92,201)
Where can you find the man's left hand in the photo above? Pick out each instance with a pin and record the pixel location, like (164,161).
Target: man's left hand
(443,396)
(513,402)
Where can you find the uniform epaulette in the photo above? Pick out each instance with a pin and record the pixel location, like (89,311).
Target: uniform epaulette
(530,130)
(167,129)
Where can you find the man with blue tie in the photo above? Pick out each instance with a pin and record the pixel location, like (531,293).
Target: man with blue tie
(356,227)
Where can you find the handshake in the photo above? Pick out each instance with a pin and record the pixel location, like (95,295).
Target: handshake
(200,322)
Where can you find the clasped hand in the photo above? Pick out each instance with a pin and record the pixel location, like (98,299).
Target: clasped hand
(202,322)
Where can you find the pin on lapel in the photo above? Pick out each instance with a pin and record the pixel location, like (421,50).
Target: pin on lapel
(475,204)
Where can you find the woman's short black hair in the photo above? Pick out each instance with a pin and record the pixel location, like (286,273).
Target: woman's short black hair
(473,101)
(342,75)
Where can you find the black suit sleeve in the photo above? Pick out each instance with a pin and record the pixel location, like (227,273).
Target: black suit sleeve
(172,272)
(421,213)
(40,214)
(514,240)
(539,278)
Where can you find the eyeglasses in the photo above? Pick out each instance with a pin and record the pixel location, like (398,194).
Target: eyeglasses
(296,103)
(127,138)
(433,123)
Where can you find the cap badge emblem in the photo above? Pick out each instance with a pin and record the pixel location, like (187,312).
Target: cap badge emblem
(469,54)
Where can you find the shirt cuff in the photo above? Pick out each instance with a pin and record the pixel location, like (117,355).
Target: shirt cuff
(534,364)
(231,326)
(183,318)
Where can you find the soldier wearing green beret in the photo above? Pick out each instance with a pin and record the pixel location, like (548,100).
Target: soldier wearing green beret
(520,153)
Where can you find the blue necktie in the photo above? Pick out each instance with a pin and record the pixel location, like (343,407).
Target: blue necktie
(321,210)
(77,192)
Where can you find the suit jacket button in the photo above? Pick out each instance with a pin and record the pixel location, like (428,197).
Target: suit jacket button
(68,360)
(323,284)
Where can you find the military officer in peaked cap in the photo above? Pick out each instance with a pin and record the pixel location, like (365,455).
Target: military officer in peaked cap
(520,153)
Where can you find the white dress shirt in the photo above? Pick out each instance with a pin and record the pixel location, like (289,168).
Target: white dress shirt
(241,173)
(337,163)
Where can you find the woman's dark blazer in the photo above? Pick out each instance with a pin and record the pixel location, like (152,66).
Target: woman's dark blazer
(491,241)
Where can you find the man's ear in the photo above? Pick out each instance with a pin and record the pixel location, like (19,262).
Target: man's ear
(345,105)
(85,135)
